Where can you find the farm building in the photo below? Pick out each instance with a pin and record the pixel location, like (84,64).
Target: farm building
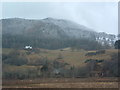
(28,47)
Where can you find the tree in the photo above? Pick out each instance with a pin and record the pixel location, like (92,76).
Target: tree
(14,58)
(117,44)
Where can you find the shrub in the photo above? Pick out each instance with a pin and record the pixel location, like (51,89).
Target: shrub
(14,58)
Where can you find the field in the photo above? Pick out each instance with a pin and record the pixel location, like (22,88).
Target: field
(63,83)
(74,58)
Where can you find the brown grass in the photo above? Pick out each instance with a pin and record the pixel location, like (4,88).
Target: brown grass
(62,83)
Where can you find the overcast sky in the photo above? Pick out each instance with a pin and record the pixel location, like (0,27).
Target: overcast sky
(99,16)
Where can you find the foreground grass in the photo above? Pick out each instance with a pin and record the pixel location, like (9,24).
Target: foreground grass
(63,83)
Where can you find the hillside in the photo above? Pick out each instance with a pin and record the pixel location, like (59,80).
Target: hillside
(75,58)
(50,26)
(50,33)
(68,55)
(64,61)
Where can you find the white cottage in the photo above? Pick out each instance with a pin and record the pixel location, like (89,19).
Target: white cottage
(28,47)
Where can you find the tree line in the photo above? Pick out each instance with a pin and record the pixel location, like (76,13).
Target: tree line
(18,41)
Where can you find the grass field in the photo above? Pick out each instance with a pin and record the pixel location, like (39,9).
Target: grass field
(63,83)
(74,58)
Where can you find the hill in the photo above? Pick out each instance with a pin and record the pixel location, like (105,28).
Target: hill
(51,33)
(60,63)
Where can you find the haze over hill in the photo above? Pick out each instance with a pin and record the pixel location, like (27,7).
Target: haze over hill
(100,16)
(50,28)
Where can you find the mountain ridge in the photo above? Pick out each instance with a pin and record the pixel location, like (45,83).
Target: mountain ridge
(53,28)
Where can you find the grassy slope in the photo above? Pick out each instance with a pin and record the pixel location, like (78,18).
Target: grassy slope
(75,58)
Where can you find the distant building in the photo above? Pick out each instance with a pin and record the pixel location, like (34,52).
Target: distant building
(28,47)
